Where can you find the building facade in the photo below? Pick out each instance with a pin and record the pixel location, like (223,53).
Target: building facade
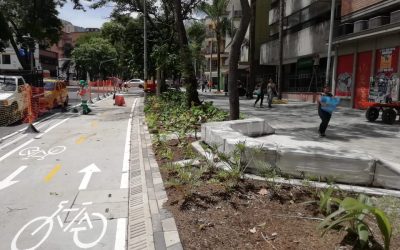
(367,44)
(210,52)
(261,30)
(305,38)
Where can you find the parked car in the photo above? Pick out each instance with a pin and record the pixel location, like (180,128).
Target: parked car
(13,103)
(138,83)
(55,93)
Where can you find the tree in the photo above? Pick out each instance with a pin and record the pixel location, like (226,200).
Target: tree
(197,34)
(216,11)
(234,57)
(20,18)
(88,55)
(187,65)
(252,56)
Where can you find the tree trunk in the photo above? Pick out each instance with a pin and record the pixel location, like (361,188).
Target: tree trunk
(158,87)
(252,56)
(188,70)
(218,61)
(280,66)
(234,57)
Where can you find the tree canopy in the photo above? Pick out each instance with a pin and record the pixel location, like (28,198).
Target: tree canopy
(89,55)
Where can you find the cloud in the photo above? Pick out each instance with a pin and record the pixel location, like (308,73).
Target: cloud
(89,18)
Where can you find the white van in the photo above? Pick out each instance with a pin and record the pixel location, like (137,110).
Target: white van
(13,104)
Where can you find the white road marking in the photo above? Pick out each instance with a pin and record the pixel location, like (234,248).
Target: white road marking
(120,236)
(127,152)
(124,180)
(15,150)
(52,127)
(16,139)
(88,171)
(13,141)
(8,181)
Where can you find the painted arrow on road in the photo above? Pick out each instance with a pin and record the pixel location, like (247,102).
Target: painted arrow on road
(9,180)
(88,171)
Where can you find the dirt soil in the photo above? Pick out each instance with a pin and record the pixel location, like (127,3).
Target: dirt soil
(254,215)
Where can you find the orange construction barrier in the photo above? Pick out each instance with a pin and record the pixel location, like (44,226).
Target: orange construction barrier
(119,100)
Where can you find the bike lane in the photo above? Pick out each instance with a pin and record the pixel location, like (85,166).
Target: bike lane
(77,166)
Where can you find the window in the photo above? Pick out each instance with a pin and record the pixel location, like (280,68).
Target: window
(6,59)
(20,82)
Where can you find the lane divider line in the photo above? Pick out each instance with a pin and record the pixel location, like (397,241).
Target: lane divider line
(15,150)
(52,173)
(31,140)
(124,180)
(52,127)
(19,138)
(127,151)
(120,236)
(81,139)
(46,119)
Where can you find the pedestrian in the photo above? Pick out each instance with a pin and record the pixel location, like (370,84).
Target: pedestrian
(210,85)
(271,92)
(82,92)
(324,113)
(203,85)
(260,90)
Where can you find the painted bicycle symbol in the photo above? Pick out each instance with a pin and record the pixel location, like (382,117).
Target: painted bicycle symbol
(39,154)
(47,223)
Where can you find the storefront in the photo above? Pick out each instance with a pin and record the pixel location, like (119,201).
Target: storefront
(367,70)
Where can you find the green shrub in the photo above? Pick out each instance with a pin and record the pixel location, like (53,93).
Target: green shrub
(356,215)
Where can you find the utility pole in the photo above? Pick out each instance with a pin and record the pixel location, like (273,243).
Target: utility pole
(145,41)
(328,64)
(280,66)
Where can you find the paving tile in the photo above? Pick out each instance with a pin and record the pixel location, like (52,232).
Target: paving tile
(177,246)
(169,224)
(159,241)
(171,238)
(156,223)
(153,206)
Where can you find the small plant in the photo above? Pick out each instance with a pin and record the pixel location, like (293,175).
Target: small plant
(356,214)
(327,202)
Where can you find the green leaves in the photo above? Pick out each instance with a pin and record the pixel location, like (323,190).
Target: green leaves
(170,114)
(356,213)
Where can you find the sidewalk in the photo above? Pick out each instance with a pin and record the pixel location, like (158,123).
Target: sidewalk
(150,226)
(348,128)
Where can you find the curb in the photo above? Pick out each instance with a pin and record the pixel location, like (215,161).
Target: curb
(150,226)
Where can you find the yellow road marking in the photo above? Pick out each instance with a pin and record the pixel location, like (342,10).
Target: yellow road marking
(53,172)
(81,139)
(93,124)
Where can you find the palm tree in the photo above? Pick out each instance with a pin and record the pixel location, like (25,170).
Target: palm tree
(216,11)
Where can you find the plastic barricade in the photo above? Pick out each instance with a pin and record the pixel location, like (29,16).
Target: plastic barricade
(119,100)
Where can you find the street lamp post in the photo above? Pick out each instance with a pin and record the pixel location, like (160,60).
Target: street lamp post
(145,42)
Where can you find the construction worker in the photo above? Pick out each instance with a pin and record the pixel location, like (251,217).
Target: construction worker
(83,93)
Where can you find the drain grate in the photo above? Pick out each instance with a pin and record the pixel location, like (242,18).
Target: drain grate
(135,190)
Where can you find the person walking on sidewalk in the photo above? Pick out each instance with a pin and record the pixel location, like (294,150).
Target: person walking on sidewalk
(260,91)
(323,114)
(271,92)
(203,85)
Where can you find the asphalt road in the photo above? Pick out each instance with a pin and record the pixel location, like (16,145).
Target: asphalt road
(66,188)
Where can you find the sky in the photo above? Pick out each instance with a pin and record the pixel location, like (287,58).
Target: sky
(89,19)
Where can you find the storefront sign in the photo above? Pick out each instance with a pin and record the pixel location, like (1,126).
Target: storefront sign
(344,75)
(384,86)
